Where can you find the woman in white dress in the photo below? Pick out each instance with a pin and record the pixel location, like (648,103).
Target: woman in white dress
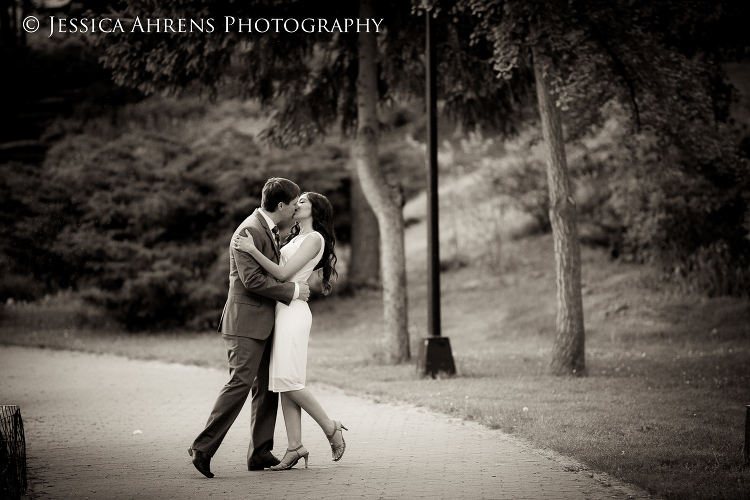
(308,247)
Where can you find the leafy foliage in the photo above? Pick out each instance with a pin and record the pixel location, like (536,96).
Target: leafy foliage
(678,185)
(132,205)
(648,199)
(660,58)
(145,214)
(22,242)
(686,214)
(310,78)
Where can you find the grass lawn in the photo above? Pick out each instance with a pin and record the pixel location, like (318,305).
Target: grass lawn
(663,405)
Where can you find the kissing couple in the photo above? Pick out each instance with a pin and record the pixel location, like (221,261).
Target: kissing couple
(266,325)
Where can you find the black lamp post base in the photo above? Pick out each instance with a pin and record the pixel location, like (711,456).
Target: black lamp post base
(435,356)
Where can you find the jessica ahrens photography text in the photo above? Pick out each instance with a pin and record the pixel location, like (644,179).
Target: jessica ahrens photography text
(203,25)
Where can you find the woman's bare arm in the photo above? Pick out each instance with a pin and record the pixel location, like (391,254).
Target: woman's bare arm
(309,249)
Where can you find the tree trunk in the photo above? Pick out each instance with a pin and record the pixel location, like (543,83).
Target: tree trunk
(384,199)
(569,354)
(364,264)
(7,35)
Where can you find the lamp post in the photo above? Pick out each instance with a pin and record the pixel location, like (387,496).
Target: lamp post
(435,354)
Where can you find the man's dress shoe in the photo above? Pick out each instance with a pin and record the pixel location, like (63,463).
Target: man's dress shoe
(201,461)
(265,464)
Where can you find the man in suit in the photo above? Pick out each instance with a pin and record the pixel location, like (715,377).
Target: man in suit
(246,326)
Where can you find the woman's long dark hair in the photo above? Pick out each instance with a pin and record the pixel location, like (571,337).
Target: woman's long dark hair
(322,215)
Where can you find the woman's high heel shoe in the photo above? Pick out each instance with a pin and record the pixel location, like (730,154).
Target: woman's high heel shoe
(294,456)
(337,451)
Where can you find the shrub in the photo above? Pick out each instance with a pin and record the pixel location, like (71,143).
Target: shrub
(715,271)
(686,208)
(521,175)
(681,207)
(63,309)
(145,217)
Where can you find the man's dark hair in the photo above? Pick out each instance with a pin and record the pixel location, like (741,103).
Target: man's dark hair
(278,190)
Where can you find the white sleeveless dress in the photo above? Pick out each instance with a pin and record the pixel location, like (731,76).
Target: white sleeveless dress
(293,322)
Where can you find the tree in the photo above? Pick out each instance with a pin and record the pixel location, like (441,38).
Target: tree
(312,78)
(660,58)
(364,267)
(11,11)
(269,66)
(569,353)
(385,199)
(500,23)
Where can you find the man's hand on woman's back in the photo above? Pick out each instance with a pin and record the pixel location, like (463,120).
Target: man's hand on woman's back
(304,292)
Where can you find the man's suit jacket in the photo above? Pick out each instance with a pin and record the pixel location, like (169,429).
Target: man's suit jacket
(251,304)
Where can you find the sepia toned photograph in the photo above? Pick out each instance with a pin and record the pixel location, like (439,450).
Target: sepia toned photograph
(475,249)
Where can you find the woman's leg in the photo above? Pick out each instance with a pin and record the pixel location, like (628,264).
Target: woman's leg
(292,421)
(304,399)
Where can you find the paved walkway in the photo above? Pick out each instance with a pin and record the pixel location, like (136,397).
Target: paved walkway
(81,412)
